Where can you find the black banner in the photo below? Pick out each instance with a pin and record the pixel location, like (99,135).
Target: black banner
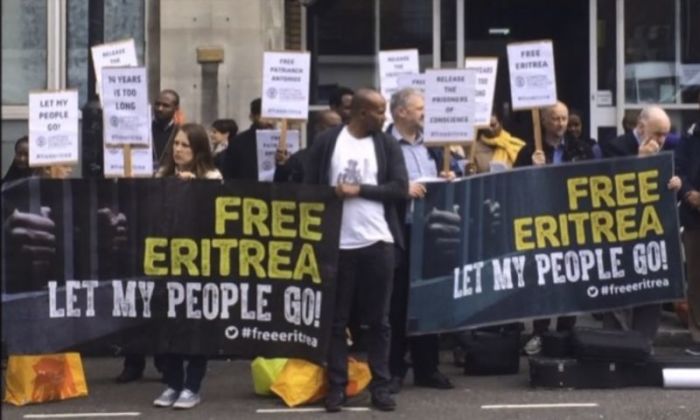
(193,267)
(536,242)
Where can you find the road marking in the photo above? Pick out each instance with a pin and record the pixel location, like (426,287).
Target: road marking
(81,415)
(563,405)
(304,410)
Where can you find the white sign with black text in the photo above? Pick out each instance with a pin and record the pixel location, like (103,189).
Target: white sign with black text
(532,78)
(113,54)
(267,142)
(125,106)
(415,81)
(53,128)
(285,90)
(449,106)
(141,162)
(392,65)
(486,69)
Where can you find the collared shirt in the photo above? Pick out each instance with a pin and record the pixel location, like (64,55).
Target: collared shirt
(558,155)
(419,164)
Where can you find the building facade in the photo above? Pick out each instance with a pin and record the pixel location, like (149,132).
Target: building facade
(612,56)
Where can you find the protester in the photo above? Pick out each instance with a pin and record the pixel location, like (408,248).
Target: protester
(222,133)
(164,124)
(367,169)
(190,158)
(240,161)
(339,101)
(647,138)
(688,170)
(503,147)
(20,164)
(293,169)
(577,140)
(557,149)
(407,111)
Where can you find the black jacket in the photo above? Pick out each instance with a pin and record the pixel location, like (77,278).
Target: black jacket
(688,170)
(574,150)
(241,161)
(392,178)
(624,145)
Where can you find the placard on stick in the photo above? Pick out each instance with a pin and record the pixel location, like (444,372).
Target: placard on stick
(415,81)
(486,69)
(532,79)
(392,65)
(268,142)
(53,128)
(125,106)
(285,90)
(112,54)
(449,106)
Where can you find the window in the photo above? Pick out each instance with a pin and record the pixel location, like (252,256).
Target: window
(24,49)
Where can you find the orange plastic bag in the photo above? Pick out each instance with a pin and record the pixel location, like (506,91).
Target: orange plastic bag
(42,378)
(303,382)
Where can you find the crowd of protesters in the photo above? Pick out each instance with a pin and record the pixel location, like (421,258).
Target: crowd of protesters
(376,169)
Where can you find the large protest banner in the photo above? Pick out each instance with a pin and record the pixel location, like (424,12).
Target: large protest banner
(165,265)
(591,236)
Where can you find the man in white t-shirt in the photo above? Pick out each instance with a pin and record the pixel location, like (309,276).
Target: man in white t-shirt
(367,169)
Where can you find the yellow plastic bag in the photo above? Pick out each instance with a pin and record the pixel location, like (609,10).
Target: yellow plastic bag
(265,372)
(300,382)
(303,382)
(42,378)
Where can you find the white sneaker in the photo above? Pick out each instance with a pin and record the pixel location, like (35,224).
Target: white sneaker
(534,346)
(187,399)
(166,399)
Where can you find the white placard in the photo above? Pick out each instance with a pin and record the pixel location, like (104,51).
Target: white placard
(53,128)
(395,63)
(449,106)
(415,81)
(113,54)
(285,90)
(532,79)
(141,162)
(125,106)
(486,69)
(267,141)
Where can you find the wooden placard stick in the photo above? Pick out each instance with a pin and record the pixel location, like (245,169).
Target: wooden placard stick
(446,156)
(282,145)
(127,161)
(54,171)
(537,129)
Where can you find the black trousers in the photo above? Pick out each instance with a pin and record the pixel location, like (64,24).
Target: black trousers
(368,273)
(425,349)
(178,378)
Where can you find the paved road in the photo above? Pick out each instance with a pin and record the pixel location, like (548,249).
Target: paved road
(227,394)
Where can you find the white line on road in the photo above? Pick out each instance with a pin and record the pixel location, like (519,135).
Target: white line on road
(81,415)
(304,410)
(515,406)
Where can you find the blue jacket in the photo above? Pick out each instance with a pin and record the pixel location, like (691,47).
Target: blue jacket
(687,158)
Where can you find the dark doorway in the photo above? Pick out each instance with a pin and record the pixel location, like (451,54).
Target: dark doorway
(492,24)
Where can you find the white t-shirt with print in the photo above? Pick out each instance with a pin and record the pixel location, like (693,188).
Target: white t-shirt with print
(355,162)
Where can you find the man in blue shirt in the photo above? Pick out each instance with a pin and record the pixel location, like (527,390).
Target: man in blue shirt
(407,109)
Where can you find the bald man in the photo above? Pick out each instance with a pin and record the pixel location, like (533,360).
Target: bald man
(366,167)
(555,120)
(647,138)
(653,125)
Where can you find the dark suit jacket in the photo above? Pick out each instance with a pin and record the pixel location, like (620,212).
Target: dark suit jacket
(624,145)
(392,178)
(688,170)
(241,161)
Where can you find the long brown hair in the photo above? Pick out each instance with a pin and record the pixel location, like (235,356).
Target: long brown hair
(202,160)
